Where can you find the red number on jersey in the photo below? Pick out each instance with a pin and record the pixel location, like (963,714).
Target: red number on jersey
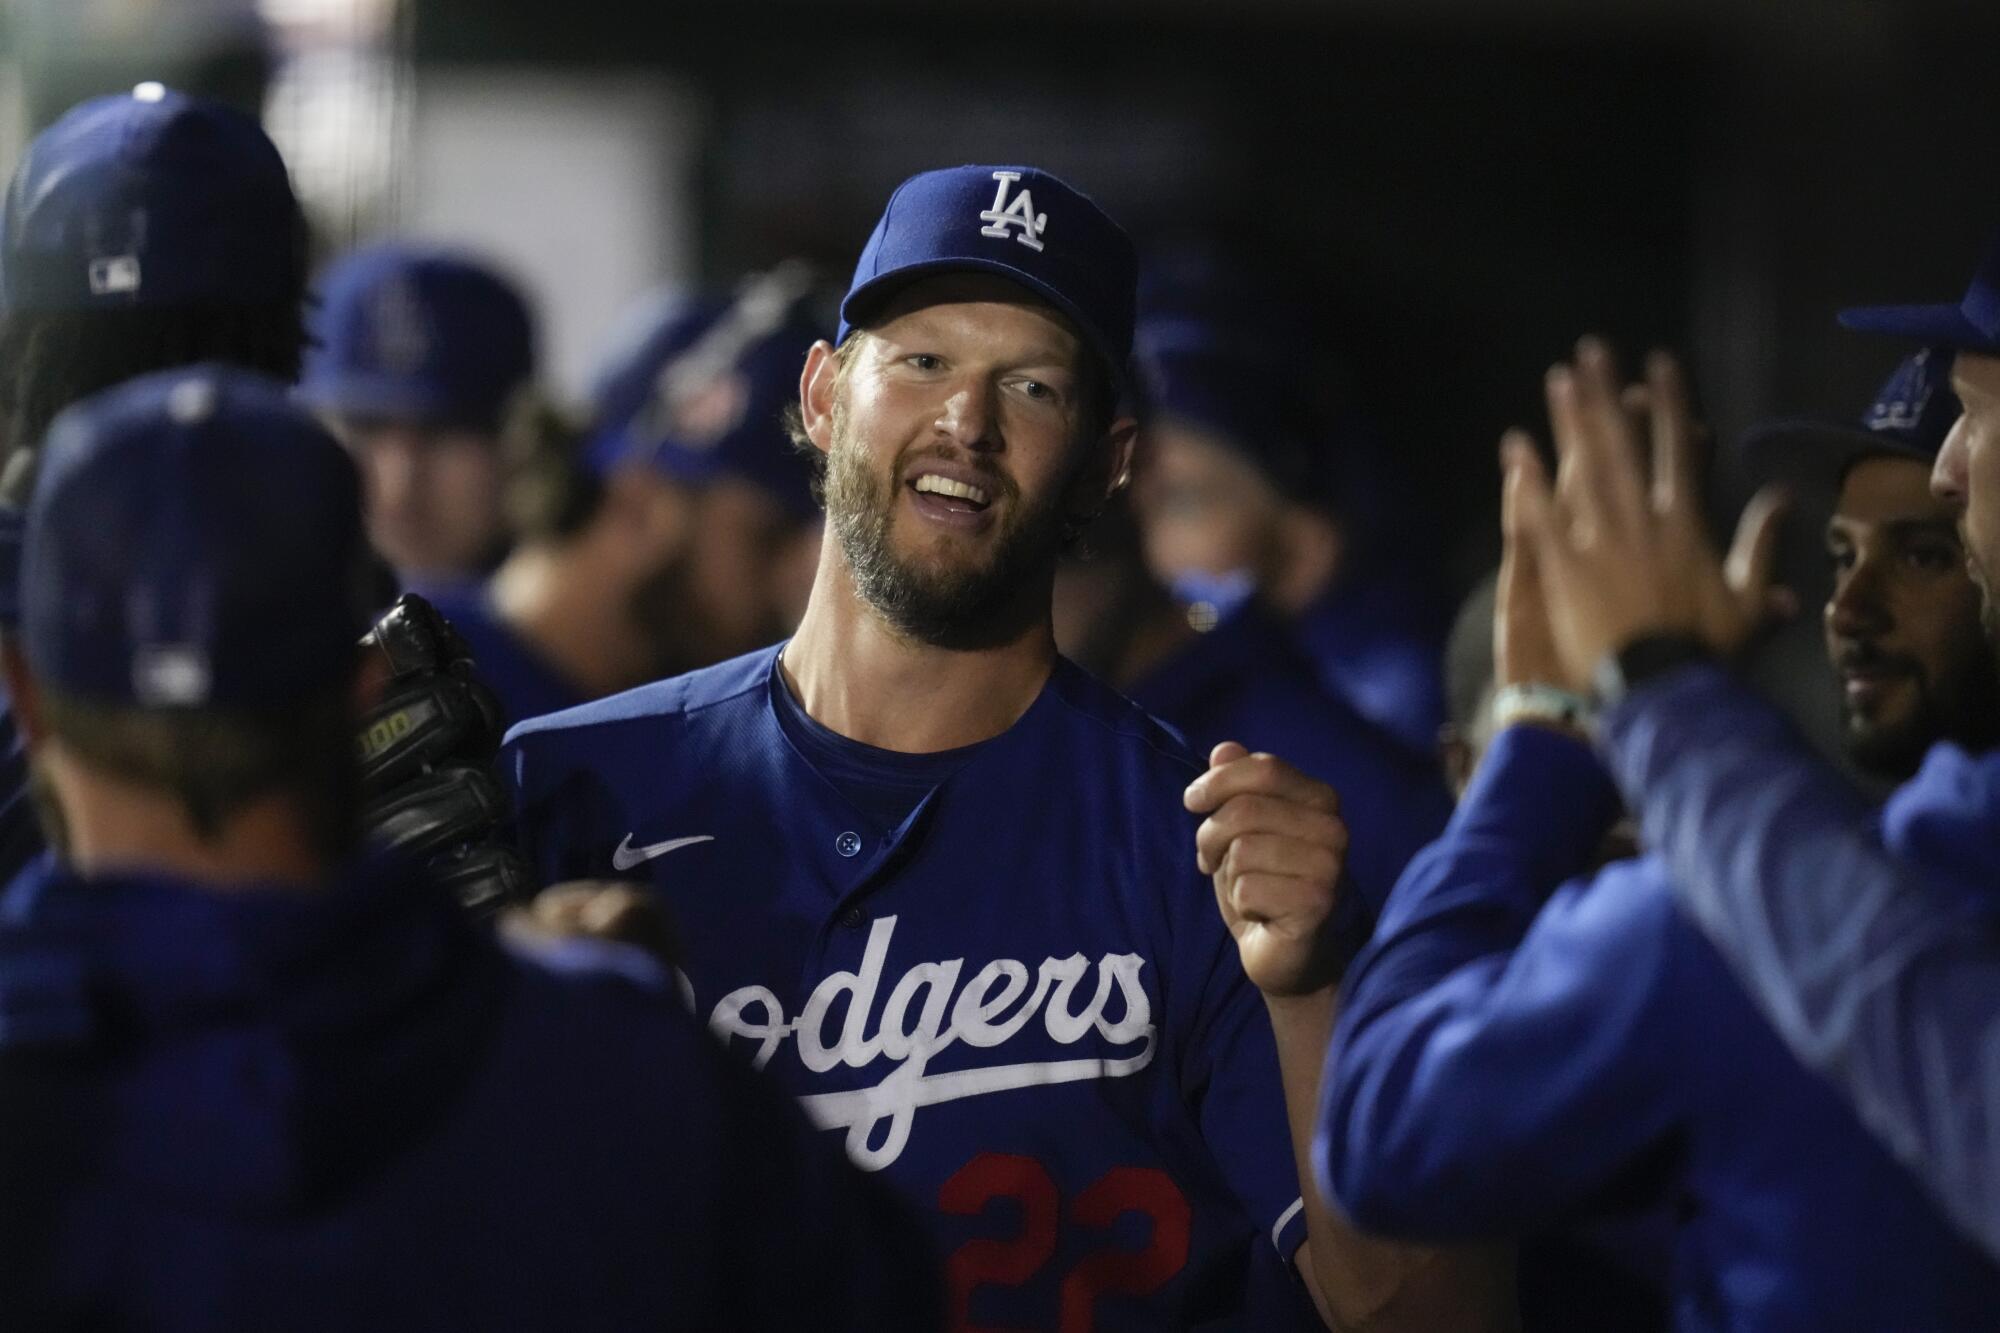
(1006,1263)
(1012,1263)
(1128,1189)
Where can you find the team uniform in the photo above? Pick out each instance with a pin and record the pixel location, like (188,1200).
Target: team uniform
(1245,680)
(994,973)
(1607,1049)
(1374,646)
(352,1108)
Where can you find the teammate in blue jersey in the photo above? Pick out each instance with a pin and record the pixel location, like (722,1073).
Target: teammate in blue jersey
(1896,1000)
(253,1080)
(88,298)
(418,351)
(1245,495)
(1243,678)
(1611,1054)
(941,884)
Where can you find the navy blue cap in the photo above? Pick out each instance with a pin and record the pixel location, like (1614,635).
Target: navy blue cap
(1019,222)
(700,391)
(1973,325)
(194,541)
(1911,416)
(152,198)
(417,333)
(1223,380)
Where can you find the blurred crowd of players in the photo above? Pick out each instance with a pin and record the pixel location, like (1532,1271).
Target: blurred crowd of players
(1573,1048)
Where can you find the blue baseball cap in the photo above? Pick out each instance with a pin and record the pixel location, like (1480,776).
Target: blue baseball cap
(152,198)
(194,541)
(1912,414)
(700,391)
(1973,325)
(418,333)
(1018,222)
(1223,380)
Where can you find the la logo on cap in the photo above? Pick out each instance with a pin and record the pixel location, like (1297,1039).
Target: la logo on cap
(1017,212)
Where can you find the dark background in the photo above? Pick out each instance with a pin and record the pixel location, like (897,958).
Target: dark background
(1450,191)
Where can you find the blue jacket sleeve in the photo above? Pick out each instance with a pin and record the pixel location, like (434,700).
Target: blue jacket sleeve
(1497,1060)
(1879,965)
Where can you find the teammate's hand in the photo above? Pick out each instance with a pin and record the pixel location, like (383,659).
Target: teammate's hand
(1524,648)
(1622,555)
(1275,843)
(599,909)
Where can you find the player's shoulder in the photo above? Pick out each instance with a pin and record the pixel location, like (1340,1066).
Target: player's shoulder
(678,700)
(1101,717)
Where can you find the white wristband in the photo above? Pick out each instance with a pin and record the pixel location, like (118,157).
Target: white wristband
(1540,703)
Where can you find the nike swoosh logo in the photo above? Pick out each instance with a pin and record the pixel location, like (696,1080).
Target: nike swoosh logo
(625,856)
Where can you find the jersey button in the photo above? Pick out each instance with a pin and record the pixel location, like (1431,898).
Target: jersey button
(848,843)
(854,918)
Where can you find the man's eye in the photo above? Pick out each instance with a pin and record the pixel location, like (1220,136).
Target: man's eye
(924,361)
(1935,559)
(1841,559)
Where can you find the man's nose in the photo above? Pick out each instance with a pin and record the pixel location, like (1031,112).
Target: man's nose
(1857,609)
(1948,474)
(970,416)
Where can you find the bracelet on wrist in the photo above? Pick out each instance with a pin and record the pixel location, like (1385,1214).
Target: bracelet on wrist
(1546,705)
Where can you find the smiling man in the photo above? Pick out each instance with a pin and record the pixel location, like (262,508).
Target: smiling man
(941,884)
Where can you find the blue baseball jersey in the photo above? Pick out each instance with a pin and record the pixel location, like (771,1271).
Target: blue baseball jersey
(1017,1002)
(526,685)
(351,1108)
(1526,1040)
(1246,681)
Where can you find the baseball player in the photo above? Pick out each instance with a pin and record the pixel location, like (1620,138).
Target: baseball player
(1896,1001)
(1241,498)
(252,1080)
(1244,678)
(139,231)
(417,353)
(152,230)
(653,542)
(941,884)
(1611,1056)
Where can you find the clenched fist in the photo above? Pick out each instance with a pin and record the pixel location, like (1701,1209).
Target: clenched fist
(1275,843)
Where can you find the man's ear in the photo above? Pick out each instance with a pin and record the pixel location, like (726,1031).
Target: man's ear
(816,394)
(1109,471)
(21,693)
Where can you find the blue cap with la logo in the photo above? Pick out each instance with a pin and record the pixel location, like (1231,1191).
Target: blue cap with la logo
(1018,222)
(1972,325)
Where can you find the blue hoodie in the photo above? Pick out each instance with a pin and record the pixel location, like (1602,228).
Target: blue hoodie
(1873,947)
(352,1109)
(1525,1042)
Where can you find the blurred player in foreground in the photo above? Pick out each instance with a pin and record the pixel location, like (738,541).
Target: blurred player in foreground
(139,232)
(418,352)
(250,1079)
(1508,961)
(940,883)
(1895,998)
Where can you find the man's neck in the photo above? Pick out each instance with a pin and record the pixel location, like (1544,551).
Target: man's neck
(111,826)
(547,597)
(858,676)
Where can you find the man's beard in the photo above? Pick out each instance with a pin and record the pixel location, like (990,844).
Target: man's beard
(1966,711)
(947,605)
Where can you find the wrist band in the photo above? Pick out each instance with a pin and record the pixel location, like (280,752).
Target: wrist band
(1540,703)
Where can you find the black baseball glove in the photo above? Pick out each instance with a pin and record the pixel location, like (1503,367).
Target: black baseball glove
(426,753)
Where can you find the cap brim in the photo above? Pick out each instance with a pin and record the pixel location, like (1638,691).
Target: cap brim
(1802,449)
(1943,326)
(862,302)
(384,396)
